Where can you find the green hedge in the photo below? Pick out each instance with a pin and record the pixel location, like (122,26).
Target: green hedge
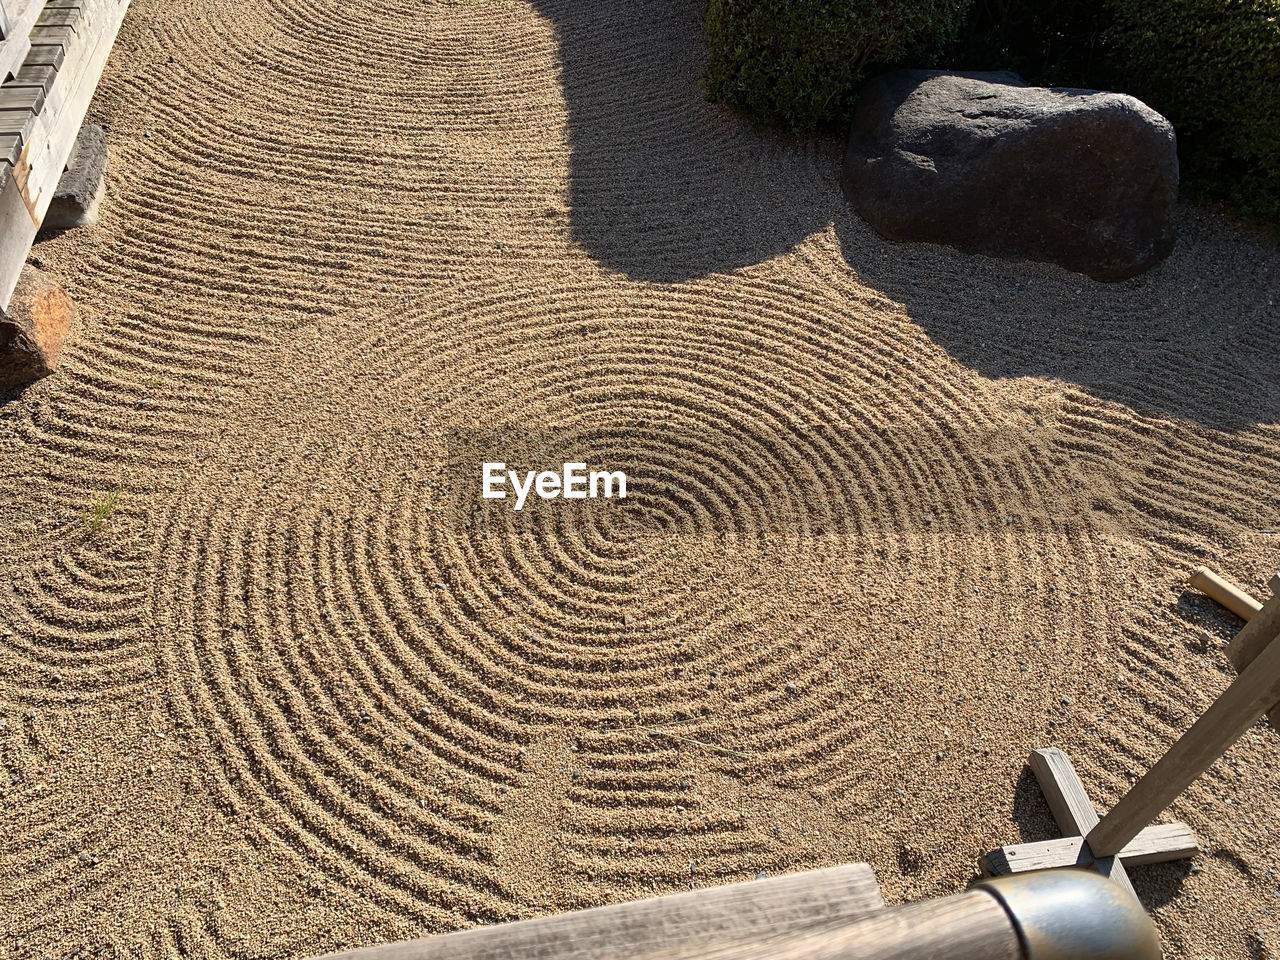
(1050,42)
(798,63)
(1213,68)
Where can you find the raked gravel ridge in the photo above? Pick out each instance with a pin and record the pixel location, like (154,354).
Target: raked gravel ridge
(897,516)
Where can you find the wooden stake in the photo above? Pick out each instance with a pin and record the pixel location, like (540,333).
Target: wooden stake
(1227,594)
(1122,838)
(1253,693)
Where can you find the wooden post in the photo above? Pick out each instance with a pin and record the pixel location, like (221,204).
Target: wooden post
(834,913)
(699,922)
(1263,629)
(1253,693)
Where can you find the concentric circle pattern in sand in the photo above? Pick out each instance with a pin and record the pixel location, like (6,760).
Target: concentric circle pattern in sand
(894,514)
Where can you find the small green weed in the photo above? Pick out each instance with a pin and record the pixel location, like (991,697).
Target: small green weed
(103,506)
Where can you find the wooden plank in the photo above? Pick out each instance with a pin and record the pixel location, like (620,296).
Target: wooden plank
(16,227)
(1071,807)
(32,75)
(1157,844)
(18,97)
(42,55)
(1225,593)
(1253,694)
(1260,631)
(682,925)
(17,123)
(26,195)
(17,42)
(1043,855)
(67,104)
(964,927)
(1068,801)
(47,36)
(972,926)
(10,147)
(1161,843)
(58,17)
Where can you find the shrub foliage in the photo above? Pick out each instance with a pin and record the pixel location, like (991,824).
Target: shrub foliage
(1061,43)
(1211,66)
(798,63)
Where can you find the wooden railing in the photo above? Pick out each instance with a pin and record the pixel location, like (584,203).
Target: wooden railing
(833,914)
(51,58)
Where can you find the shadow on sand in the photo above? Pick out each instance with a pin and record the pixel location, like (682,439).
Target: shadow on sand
(666,187)
(1192,339)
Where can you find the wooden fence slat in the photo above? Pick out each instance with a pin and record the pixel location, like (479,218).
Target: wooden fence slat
(45,55)
(16,44)
(62,36)
(58,17)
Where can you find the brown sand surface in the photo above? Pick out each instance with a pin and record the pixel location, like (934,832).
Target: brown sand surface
(898,514)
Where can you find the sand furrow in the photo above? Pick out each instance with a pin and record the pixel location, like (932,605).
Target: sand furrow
(894,514)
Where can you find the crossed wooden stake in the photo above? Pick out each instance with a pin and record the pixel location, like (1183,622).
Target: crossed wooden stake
(1121,838)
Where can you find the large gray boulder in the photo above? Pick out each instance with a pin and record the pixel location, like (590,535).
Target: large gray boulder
(983,162)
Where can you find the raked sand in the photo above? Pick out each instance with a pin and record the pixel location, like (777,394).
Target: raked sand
(897,514)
